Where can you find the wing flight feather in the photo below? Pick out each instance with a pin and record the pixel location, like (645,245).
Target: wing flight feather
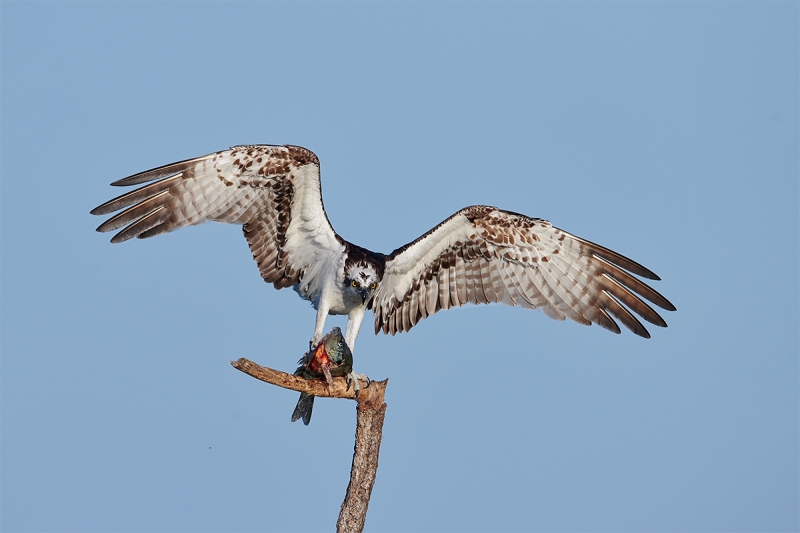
(482,254)
(274,192)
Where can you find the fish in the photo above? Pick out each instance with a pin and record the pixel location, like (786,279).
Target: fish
(328,359)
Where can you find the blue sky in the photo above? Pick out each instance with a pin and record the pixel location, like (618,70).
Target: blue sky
(667,131)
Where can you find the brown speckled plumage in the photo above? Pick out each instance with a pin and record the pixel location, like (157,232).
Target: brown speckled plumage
(479,255)
(259,183)
(487,255)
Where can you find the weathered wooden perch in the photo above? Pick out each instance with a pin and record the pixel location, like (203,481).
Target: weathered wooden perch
(370,413)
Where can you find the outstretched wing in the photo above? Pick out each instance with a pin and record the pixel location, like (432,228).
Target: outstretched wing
(483,255)
(273,191)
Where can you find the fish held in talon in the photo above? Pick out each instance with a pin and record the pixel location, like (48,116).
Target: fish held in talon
(330,358)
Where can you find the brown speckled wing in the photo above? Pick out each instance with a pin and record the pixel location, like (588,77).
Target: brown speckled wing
(273,191)
(485,255)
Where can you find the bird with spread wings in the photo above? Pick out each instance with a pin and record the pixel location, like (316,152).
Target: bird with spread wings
(479,255)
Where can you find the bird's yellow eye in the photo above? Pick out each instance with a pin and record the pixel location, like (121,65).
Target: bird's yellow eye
(373,285)
(353,283)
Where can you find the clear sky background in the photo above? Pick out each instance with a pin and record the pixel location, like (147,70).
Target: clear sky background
(667,131)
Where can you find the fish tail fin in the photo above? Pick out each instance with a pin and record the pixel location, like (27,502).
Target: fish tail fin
(303,408)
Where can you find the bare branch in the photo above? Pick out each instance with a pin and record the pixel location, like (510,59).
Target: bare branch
(338,389)
(370,413)
(369,431)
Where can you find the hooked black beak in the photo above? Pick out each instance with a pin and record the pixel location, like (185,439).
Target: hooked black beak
(363,295)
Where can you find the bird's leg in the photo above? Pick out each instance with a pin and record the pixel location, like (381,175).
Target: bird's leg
(354,320)
(322,315)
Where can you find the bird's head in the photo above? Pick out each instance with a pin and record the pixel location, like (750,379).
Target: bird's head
(361,280)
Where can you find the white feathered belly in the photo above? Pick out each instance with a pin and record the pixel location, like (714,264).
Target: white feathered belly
(338,302)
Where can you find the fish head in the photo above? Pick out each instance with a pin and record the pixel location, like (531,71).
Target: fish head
(336,348)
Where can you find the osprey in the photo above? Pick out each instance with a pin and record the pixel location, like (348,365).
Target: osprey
(479,255)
